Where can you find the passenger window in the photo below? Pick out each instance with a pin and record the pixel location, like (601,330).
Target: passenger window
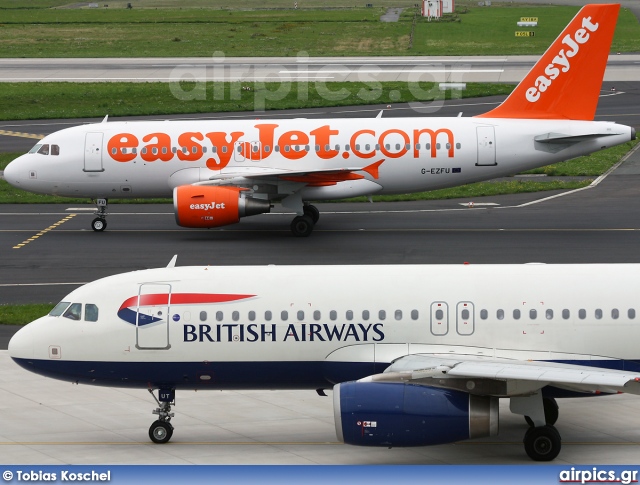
(316,315)
(414,314)
(284,315)
(90,312)
(365,315)
(59,308)
(631,313)
(235,316)
(516,314)
(439,314)
(382,314)
(465,314)
(55,150)
(398,314)
(203,316)
(267,148)
(349,315)
(74,312)
(300,315)
(500,314)
(582,314)
(458,146)
(598,313)
(566,314)
(549,314)
(219,316)
(533,314)
(484,314)
(44,150)
(252,316)
(615,313)
(267,316)
(333,315)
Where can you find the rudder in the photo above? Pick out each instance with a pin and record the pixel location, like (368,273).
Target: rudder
(565,83)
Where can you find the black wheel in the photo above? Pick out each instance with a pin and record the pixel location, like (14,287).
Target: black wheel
(99,224)
(551,412)
(302,226)
(542,443)
(313,212)
(160,432)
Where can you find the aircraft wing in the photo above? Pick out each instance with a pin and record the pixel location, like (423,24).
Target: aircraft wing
(505,377)
(313,177)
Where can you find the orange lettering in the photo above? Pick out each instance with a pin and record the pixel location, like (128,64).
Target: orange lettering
(163,142)
(323,139)
(194,149)
(433,138)
(402,151)
(119,144)
(224,149)
(291,139)
(357,152)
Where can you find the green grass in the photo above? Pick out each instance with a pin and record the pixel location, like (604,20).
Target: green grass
(19,101)
(247,28)
(22,314)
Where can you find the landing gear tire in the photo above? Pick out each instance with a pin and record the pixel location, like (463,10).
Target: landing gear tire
(551,412)
(99,224)
(542,443)
(313,212)
(302,226)
(160,432)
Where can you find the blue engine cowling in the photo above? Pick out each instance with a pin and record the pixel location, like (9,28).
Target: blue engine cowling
(395,414)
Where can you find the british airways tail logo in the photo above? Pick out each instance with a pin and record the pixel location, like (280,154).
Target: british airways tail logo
(131,310)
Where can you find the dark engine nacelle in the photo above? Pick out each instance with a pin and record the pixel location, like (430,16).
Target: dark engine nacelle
(205,206)
(394,414)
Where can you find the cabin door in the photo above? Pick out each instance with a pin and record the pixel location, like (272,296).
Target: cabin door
(486,145)
(93,152)
(152,316)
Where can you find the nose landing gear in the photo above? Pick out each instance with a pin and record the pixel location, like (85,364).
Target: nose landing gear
(99,224)
(161,430)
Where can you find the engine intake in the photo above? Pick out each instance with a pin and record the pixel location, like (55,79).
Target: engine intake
(395,414)
(204,206)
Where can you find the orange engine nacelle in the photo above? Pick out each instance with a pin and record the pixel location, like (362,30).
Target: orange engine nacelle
(203,206)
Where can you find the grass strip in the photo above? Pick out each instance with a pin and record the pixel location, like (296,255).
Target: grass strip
(22,314)
(44,100)
(255,31)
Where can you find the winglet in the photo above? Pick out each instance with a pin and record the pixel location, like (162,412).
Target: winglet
(172,263)
(565,82)
(373,169)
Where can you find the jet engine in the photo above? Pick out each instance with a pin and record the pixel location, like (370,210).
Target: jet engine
(396,414)
(206,206)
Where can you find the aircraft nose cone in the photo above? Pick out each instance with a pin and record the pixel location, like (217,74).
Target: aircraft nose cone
(21,344)
(13,173)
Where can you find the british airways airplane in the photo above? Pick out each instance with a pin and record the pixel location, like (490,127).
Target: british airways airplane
(415,355)
(221,171)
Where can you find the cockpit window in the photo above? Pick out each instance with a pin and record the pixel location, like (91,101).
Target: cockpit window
(44,150)
(59,308)
(55,150)
(91,312)
(35,148)
(74,312)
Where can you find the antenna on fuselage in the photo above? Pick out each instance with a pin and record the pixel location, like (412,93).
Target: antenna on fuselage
(172,263)
(105,119)
(380,114)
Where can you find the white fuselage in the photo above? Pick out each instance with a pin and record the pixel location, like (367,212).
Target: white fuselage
(313,326)
(149,158)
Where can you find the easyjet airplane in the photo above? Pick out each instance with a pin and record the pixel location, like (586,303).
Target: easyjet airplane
(220,171)
(416,355)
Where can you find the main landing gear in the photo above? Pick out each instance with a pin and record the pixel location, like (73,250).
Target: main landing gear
(302,226)
(99,224)
(542,441)
(161,430)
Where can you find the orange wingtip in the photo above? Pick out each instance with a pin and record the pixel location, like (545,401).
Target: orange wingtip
(565,83)
(373,169)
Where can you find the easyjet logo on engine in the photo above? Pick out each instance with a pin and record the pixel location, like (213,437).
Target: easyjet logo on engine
(206,207)
(217,148)
(561,63)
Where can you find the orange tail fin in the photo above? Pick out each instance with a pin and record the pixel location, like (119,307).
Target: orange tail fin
(565,83)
